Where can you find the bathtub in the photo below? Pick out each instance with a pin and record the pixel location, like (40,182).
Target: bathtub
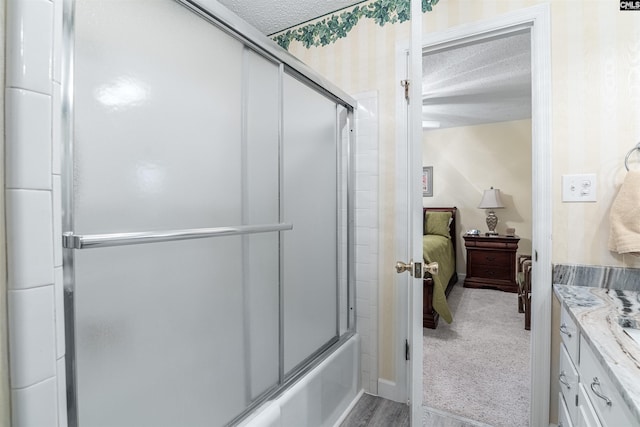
(321,398)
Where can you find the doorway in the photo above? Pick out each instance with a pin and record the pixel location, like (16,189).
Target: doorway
(477,135)
(538,20)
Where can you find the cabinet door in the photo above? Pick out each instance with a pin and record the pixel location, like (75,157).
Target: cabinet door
(586,414)
(606,399)
(564,419)
(568,379)
(569,334)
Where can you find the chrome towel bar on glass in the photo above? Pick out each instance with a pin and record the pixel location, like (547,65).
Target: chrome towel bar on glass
(73,241)
(626,158)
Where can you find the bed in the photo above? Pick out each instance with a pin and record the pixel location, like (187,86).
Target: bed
(438,245)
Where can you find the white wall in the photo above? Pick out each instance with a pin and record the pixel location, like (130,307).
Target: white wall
(468,160)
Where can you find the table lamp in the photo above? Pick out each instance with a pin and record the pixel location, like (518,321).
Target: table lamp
(491,200)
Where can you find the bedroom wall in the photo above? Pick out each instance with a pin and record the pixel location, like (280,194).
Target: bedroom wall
(468,160)
(596,103)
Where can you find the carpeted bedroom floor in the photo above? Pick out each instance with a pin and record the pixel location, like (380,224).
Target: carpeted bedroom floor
(478,366)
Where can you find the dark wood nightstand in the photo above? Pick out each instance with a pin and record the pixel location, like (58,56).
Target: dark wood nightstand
(491,262)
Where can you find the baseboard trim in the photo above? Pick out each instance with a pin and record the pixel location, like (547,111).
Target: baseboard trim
(347,411)
(389,390)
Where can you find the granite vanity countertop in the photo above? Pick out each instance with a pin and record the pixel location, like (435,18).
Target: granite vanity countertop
(596,312)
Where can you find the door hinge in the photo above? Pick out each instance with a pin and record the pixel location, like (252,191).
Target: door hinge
(407,354)
(405,84)
(536,256)
(576,400)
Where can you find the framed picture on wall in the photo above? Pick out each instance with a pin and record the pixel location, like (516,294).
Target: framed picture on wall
(427,181)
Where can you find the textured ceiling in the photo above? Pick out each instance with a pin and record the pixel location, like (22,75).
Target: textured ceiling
(480,83)
(272,16)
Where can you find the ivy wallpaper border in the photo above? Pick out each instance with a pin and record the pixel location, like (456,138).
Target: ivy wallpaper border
(337,26)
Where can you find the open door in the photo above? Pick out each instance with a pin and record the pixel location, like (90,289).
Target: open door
(409,200)
(409,215)
(414,203)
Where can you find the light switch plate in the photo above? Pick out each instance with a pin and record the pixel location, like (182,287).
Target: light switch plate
(579,188)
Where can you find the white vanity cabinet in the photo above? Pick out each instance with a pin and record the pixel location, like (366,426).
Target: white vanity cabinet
(568,375)
(587,416)
(564,419)
(569,380)
(606,399)
(570,334)
(588,397)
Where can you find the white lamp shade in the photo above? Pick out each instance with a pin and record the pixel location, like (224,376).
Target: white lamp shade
(491,199)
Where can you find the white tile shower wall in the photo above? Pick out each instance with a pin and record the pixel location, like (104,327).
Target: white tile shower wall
(32,167)
(62,392)
(29,44)
(37,396)
(366,221)
(58,295)
(32,355)
(56,62)
(29,237)
(28,156)
(56,148)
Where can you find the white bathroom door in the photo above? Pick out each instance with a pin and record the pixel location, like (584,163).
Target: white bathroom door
(409,265)
(414,212)
(409,224)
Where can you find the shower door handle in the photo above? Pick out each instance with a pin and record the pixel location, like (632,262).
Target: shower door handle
(74,241)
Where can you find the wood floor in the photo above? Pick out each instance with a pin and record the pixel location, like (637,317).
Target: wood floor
(373,411)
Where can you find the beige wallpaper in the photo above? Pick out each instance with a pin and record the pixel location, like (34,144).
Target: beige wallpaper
(469,160)
(596,106)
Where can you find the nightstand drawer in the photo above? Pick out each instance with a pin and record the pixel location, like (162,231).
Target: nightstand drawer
(490,272)
(490,258)
(492,242)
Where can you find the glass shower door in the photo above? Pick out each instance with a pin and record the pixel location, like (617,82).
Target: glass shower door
(175,128)
(206,219)
(310,186)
